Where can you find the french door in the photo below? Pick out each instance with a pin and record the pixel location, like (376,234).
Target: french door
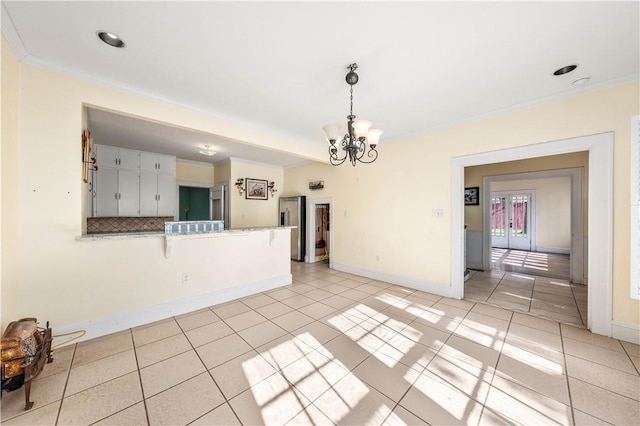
(511,220)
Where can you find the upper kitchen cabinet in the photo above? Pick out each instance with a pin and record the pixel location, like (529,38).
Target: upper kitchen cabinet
(117,158)
(132,183)
(157,163)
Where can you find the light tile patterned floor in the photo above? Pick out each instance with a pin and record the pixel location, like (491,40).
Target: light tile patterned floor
(550,265)
(335,348)
(531,282)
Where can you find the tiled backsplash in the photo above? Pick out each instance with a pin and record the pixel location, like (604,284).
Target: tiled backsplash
(115,225)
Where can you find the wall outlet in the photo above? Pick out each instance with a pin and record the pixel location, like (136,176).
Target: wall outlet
(185,278)
(437,212)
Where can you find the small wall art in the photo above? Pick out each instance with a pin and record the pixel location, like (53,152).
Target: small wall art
(472,196)
(256,189)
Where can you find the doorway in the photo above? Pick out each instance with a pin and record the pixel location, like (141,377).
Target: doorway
(512,220)
(321,229)
(599,228)
(193,203)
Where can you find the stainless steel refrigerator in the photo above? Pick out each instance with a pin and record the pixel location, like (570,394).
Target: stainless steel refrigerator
(293,213)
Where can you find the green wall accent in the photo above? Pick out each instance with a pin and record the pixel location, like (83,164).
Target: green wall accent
(194,203)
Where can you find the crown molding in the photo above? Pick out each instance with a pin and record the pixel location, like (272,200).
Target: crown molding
(11,34)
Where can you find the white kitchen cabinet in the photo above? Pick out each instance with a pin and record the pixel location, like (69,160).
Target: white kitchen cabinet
(166,195)
(133,183)
(106,187)
(157,194)
(118,158)
(158,163)
(117,193)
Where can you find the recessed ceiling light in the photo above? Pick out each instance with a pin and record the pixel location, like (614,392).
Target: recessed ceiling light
(582,81)
(207,150)
(110,38)
(565,70)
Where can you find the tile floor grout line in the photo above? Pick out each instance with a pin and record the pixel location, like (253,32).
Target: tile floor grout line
(495,370)
(584,322)
(144,399)
(425,367)
(600,347)
(566,375)
(66,383)
(226,401)
(629,356)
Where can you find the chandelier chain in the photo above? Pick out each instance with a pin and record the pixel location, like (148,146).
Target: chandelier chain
(351,99)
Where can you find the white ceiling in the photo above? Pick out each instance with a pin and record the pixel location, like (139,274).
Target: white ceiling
(278,67)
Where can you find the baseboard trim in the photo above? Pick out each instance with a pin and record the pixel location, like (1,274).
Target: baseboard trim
(553,250)
(426,286)
(625,331)
(475,266)
(123,321)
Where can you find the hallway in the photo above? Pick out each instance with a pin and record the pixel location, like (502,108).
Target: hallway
(530,282)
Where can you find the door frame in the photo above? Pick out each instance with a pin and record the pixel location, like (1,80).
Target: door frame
(311,225)
(600,209)
(531,217)
(577,249)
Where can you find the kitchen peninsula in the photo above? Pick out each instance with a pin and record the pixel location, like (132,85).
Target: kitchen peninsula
(160,275)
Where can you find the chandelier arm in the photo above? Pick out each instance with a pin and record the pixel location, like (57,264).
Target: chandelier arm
(372,154)
(333,153)
(334,159)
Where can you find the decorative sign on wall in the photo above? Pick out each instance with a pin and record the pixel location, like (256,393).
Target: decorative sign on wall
(318,184)
(635,208)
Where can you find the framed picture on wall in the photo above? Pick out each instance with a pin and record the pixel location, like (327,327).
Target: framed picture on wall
(472,196)
(256,189)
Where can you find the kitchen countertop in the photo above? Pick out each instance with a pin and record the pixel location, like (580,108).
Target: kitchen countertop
(226,232)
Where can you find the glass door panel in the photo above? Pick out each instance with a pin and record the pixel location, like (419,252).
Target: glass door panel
(499,215)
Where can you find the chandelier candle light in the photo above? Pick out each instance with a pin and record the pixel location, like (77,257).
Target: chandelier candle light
(354,143)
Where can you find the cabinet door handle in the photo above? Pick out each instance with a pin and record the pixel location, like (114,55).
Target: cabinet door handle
(158,197)
(116,195)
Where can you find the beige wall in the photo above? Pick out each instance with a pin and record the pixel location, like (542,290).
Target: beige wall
(191,171)
(552,209)
(250,213)
(222,173)
(384,211)
(50,275)
(9,185)
(473,177)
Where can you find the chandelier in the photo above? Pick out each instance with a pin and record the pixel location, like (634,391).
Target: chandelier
(359,135)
